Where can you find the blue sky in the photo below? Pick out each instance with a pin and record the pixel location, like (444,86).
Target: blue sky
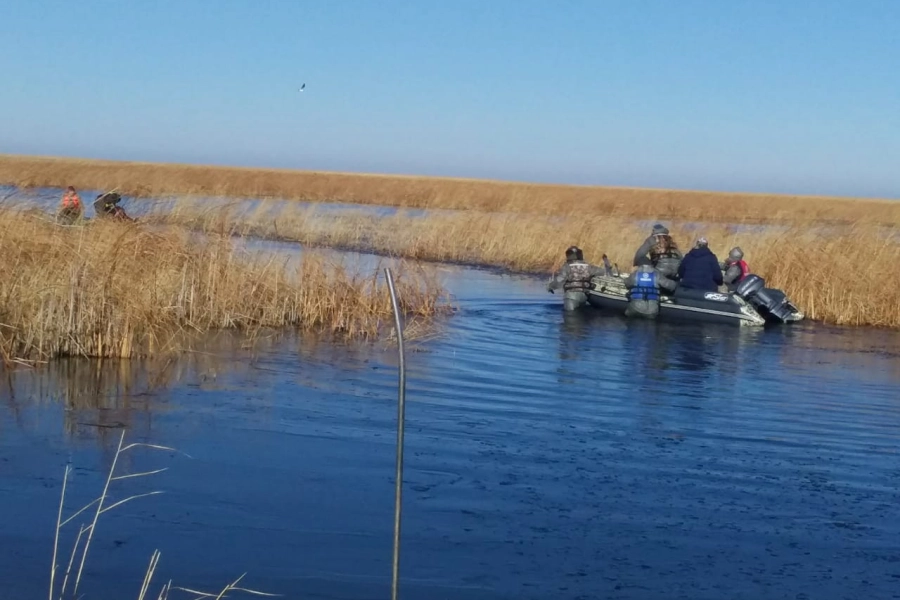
(786,96)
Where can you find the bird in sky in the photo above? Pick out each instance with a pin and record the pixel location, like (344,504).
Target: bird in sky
(302,87)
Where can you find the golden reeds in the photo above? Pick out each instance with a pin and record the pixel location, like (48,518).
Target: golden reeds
(844,275)
(123,290)
(150,179)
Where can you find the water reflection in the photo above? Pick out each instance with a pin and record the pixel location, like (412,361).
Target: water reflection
(810,345)
(99,394)
(100,397)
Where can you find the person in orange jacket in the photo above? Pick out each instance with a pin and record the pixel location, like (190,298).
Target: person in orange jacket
(71,208)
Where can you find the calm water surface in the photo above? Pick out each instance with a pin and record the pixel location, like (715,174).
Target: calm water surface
(548,456)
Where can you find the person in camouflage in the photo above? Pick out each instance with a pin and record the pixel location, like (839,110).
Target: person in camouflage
(574,278)
(661,252)
(735,268)
(643,293)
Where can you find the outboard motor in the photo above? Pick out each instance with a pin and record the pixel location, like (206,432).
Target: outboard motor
(752,288)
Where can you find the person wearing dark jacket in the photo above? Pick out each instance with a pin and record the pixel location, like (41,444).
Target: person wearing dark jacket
(699,269)
(107,205)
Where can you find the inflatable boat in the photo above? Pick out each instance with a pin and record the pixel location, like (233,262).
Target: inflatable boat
(750,305)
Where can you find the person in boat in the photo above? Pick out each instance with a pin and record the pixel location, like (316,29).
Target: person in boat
(661,252)
(735,268)
(643,293)
(107,205)
(70,209)
(574,278)
(699,269)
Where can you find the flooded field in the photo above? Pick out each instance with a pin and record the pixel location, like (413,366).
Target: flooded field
(49,198)
(548,456)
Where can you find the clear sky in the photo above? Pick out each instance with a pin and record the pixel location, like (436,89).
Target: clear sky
(799,96)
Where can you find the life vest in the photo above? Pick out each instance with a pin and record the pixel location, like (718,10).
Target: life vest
(663,247)
(71,200)
(742,265)
(579,278)
(645,287)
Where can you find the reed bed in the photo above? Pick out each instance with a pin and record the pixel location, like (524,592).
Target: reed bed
(125,290)
(842,275)
(153,180)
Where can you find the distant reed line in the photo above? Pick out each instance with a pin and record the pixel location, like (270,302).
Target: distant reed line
(152,179)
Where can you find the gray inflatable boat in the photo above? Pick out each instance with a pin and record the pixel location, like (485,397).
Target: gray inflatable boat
(751,305)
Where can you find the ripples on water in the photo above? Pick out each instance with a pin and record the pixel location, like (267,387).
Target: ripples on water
(548,456)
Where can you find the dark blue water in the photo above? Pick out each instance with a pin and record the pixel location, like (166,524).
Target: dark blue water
(548,456)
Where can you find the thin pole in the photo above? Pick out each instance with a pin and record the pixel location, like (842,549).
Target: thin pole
(401,419)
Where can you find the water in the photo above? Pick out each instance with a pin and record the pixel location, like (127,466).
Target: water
(49,198)
(548,456)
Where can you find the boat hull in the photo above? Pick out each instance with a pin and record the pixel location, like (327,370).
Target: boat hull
(609,294)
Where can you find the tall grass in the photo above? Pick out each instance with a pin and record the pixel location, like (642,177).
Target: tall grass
(844,275)
(149,179)
(124,290)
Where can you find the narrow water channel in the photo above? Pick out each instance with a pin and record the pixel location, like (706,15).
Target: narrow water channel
(548,456)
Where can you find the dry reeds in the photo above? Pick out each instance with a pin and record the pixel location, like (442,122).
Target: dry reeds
(842,275)
(149,179)
(124,290)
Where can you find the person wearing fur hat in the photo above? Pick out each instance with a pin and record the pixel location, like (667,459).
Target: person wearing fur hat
(661,252)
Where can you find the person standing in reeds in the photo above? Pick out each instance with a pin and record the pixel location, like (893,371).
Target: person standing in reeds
(107,205)
(70,208)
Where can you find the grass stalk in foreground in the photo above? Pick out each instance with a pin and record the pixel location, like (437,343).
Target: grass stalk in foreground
(79,553)
(154,179)
(125,290)
(844,275)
